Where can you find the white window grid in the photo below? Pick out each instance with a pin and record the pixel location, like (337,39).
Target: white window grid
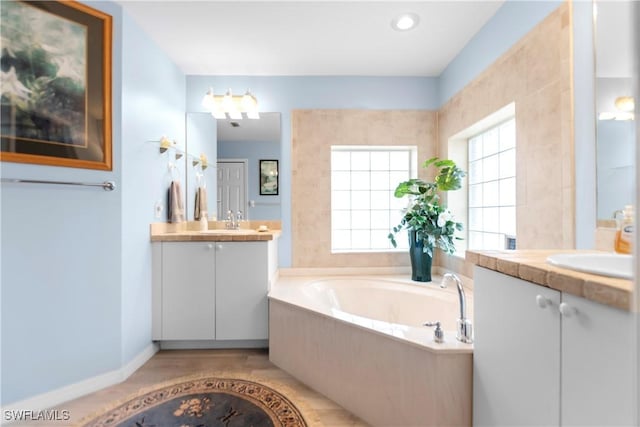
(363,207)
(492,187)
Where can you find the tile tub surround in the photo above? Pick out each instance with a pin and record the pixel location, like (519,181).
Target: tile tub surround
(531,265)
(313,132)
(374,373)
(535,74)
(189,231)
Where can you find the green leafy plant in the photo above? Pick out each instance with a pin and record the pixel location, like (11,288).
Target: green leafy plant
(431,221)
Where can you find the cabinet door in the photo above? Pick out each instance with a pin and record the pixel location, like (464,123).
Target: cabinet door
(516,357)
(597,364)
(188,291)
(241,291)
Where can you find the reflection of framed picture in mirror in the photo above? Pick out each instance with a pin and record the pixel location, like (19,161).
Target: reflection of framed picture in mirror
(56,85)
(268,177)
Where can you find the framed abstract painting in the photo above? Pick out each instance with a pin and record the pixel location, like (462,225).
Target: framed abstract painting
(56,84)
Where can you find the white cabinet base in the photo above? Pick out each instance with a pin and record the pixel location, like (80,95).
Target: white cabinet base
(212,344)
(212,294)
(535,366)
(516,355)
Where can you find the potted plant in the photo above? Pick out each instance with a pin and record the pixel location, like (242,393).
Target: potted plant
(429,223)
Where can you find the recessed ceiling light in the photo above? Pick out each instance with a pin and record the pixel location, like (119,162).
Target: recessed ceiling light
(405,22)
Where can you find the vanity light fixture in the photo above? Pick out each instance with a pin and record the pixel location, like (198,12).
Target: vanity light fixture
(230,105)
(625,103)
(405,22)
(625,106)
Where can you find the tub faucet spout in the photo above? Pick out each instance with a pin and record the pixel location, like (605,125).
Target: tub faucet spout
(464,329)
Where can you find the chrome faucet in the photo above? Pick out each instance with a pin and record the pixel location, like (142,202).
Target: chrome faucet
(233,220)
(464,328)
(230,223)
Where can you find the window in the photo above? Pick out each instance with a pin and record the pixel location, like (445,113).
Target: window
(492,188)
(363,207)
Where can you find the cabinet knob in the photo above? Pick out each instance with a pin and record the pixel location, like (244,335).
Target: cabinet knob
(566,310)
(210,246)
(219,247)
(542,301)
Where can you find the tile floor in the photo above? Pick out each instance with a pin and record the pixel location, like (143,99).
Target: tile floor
(169,364)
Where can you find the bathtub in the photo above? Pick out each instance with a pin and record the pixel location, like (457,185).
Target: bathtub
(359,340)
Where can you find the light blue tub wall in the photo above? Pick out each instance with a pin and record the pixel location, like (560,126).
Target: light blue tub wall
(76,275)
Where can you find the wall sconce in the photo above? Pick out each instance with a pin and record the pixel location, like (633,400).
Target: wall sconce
(625,106)
(231,105)
(202,161)
(166,144)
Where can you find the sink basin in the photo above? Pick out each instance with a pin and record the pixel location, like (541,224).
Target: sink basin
(225,231)
(603,264)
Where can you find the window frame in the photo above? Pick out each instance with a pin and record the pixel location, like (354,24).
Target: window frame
(412,170)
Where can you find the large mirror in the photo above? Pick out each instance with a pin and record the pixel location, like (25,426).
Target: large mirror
(234,149)
(615,147)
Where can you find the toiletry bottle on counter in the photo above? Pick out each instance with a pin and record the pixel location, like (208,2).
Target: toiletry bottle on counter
(204,223)
(624,234)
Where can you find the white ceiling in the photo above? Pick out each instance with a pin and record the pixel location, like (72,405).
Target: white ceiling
(310,37)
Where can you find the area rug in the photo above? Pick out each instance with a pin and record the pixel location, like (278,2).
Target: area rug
(205,402)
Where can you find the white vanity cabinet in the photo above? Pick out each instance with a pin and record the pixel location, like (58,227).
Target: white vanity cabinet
(188,291)
(241,291)
(598,364)
(212,294)
(542,357)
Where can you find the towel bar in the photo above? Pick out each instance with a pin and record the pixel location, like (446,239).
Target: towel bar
(107,185)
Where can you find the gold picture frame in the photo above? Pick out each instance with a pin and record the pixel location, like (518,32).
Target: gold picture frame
(56,91)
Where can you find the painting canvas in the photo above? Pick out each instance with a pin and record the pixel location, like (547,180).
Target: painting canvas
(268,177)
(56,84)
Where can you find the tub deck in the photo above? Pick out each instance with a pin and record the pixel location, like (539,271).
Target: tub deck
(387,375)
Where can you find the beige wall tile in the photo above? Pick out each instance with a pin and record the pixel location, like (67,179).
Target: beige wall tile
(315,132)
(536,75)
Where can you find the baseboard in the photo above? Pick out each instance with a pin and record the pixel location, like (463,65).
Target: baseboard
(84,387)
(137,362)
(210,344)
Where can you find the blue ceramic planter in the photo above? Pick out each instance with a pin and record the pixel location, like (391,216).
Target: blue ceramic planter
(420,261)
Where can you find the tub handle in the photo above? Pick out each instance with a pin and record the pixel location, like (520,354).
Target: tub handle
(438,333)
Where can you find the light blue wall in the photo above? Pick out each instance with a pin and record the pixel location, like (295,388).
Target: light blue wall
(75,261)
(283,94)
(510,23)
(267,207)
(61,268)
(153,105)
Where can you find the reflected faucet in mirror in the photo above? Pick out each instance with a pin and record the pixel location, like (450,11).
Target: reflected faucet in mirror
(226,146)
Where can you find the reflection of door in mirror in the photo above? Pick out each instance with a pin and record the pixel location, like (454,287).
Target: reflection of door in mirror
(232,188)
(248,139)
(615,114)
(256,141)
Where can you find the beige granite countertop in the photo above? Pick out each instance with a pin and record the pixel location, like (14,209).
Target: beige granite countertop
(532,266)
(188,232)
